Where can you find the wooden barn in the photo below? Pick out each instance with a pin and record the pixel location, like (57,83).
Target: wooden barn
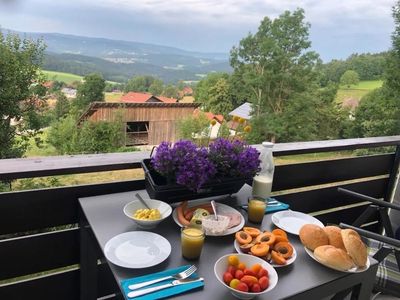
(147,123)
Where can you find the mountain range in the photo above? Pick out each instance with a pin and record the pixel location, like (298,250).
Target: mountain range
(120,60)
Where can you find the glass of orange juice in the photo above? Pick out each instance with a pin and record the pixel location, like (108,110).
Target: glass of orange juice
(256,209)
(192,240)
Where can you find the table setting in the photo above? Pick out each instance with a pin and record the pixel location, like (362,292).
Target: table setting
(223,246)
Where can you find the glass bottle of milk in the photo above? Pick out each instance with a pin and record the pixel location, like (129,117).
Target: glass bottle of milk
(262,182)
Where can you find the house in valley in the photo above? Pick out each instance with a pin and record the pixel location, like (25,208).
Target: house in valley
(148,122)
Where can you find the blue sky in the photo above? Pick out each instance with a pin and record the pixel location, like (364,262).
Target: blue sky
(338,27)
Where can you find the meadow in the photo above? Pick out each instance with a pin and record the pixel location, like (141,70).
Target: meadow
(68,78)
(357,91)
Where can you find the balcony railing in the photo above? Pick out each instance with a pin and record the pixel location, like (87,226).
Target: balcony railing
(40,248)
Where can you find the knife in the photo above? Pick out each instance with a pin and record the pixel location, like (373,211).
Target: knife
(164,286)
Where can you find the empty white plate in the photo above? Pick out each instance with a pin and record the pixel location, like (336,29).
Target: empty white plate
(291,221)
(137,249)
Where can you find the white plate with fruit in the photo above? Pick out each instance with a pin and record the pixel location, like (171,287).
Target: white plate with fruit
(185,215)
(273,247)
(245,276)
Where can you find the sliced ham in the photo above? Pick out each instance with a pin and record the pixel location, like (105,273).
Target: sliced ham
(234,219)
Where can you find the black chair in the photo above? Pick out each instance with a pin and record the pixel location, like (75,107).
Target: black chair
(384,248)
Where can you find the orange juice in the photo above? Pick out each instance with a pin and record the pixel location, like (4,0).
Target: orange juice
(256,210)
(192,240)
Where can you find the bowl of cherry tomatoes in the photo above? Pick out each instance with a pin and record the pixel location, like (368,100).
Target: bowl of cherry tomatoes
(245,276)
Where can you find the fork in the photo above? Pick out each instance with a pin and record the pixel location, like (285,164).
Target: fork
(182,275)
(164,286)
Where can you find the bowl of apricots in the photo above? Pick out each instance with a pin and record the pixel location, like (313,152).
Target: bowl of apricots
(272,246)
(245,276)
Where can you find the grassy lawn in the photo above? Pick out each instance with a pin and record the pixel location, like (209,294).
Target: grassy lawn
(357,91)
(60,76)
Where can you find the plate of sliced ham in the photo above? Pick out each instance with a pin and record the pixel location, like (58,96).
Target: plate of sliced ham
(235,219)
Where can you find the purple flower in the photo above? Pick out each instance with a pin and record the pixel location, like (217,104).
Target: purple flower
(193,167)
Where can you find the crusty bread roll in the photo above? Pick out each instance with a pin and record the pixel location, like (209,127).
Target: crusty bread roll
(333,257)
(334,236)
(355,247)
(313,236)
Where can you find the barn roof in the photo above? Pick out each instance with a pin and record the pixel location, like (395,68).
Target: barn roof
(94,106)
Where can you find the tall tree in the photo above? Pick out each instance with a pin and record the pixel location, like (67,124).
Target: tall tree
(91,90)
(274,61)
(379,111)
(62,105)
(280,73)
(349,78)
(156,88)
(219,101)
(170,91)
(20,93)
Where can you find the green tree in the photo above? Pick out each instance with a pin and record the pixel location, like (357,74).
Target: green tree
(21,90)
(139,84)
(89,137)
(379,111)
(219,98)
(91,90)
(170,91)
(194,126)
(62,105)
(202,91)
(349,77)
(274,61)
(156,88)
(277,69)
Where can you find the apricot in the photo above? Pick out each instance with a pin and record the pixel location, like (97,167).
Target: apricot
(266,237)
(280,238)
(277,258)
(246,247)
(243,237)
(260,250)
(284,249)
(254,232)
(280,232)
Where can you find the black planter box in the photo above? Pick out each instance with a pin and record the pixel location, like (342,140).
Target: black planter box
(158,188)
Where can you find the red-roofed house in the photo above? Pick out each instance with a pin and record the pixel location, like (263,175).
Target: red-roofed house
(133,97)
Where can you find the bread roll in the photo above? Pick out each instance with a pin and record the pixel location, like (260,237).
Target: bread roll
(313,236)
(334,236)
(355,247)
(333,257)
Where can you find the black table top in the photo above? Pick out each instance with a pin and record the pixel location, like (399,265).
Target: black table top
(106,218)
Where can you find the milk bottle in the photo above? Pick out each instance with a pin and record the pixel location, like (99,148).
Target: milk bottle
(262,182)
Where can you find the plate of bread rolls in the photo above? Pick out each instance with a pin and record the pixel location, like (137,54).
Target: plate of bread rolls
(338,249)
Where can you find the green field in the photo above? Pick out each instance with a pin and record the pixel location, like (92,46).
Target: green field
(60,76)
(357,91)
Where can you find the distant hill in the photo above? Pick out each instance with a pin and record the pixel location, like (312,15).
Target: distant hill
(119,60)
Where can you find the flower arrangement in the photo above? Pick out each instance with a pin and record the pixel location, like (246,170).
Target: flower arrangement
(192,166)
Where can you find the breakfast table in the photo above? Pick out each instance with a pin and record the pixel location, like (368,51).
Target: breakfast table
(102,218)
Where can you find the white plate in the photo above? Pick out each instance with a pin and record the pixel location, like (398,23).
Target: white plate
(291,221)
(221,208)
(352,270)
(288,261)
(137,249)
